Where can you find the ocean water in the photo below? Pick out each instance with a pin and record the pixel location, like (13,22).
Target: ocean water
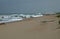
(10,17)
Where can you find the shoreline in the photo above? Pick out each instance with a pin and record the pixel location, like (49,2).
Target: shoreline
(33,28)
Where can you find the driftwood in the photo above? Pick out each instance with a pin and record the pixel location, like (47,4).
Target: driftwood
(48,21)
(2,23)
(58,28)
(44,21)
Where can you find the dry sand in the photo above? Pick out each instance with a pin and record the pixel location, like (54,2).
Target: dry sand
(33,28)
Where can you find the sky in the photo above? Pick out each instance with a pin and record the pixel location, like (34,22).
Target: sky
(29,6)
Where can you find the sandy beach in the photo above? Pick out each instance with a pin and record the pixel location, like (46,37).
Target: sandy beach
(33,28)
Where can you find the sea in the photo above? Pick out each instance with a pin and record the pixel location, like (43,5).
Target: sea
(11,17)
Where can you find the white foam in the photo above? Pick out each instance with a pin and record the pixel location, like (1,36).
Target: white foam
(11,20)
(37,15)
(5,20)
(13,17)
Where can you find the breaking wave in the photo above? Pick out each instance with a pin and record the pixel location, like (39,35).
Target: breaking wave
(16,17)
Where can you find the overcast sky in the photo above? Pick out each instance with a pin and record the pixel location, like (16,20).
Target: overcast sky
(29,6)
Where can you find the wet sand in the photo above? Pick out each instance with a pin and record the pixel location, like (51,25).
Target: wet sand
(33,28)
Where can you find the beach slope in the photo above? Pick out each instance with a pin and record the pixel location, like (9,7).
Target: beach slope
(33,28)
